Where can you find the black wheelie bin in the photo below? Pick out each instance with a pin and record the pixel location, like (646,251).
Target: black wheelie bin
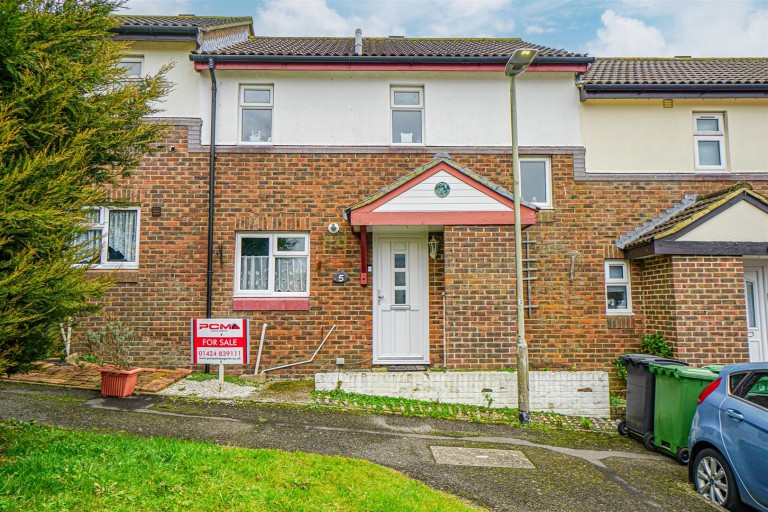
(641,396)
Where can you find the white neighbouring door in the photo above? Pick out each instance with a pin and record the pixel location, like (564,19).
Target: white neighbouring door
(400,299)
(757,311)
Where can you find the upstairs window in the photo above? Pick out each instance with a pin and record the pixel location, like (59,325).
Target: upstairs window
(617,291)
(132,67)
(113,236)
(709,141)
(272,264)
(256,102)
(407,105)
(536,181)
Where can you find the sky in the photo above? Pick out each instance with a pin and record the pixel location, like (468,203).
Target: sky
(602,28)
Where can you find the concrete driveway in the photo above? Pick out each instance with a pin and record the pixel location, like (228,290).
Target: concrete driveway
(497,467)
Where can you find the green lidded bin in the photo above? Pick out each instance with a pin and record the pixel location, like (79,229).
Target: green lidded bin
(677,393)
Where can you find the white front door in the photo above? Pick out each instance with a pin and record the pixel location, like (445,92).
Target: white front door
(757,311)
(400,299)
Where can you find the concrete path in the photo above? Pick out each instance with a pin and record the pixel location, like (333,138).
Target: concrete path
(564,471)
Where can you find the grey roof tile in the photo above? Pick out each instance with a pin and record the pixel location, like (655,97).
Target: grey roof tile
(204,23)
(676,71)
(385,47)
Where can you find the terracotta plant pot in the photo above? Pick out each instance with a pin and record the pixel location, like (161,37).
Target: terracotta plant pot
(119,383)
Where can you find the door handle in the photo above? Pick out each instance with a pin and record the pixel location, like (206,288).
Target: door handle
(736,415)
(380,295)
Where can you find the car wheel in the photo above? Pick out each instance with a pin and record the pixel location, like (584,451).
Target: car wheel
(648,441)
(714,480)
(622,428)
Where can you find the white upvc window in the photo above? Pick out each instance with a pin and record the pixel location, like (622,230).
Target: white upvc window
(407,105)
(132,66)
(709,141)
(272,265)
(113,236)
(536,181)
(256,104)
(618,299)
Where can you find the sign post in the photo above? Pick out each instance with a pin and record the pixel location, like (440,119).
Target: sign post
(220,341)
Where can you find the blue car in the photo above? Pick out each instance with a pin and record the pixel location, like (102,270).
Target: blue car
(729,439)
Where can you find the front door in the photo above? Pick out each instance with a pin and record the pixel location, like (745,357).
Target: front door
(757,310)
(400,300)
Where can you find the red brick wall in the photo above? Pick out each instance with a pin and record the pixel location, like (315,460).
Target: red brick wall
(307,191)
(480,300)
(436,296)
(710,309)
(697,304)
(657,295)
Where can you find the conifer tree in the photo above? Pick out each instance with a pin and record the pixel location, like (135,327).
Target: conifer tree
(70,126)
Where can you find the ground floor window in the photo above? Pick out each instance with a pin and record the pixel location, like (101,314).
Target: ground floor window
(112,240)
(617,291)
(272,265)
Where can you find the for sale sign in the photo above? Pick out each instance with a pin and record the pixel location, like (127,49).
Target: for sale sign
(220,341)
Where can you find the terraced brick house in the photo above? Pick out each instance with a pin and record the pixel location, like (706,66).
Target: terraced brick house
(363,185)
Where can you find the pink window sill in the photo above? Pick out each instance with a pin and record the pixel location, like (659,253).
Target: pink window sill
(269,304)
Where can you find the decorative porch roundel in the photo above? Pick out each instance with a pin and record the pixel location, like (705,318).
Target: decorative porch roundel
(442,189)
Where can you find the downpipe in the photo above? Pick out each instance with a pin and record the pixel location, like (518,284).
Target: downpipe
(211,196)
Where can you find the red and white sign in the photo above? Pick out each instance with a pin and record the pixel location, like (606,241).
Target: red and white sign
(220,341)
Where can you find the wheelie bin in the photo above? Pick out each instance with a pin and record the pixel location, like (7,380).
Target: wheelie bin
(714,368)
(677,392)
(641,396)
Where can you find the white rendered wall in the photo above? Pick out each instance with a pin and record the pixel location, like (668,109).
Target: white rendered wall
(570,393)
(183,101)
(642,136)
(742,222)
(353,109)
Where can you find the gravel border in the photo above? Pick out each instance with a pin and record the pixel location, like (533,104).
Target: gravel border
(208,389)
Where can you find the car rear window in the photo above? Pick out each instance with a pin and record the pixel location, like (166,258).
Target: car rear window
(755,389)
(733,381)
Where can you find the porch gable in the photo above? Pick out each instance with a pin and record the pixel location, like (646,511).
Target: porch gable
(440,193)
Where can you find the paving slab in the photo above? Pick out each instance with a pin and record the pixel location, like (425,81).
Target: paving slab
(482,457)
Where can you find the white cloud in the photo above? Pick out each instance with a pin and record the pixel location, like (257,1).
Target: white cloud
(153,7)
(317,18)
(466,18)
(538,29)
(721,29)
(626,37)
(311,17)
(725,28)
(423,18)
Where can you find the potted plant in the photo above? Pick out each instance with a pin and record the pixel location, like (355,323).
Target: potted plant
(111,346)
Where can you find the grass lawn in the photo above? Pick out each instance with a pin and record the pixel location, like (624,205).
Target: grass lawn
(46,468)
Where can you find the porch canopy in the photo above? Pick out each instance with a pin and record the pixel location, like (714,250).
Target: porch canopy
(729,222)
(439,193)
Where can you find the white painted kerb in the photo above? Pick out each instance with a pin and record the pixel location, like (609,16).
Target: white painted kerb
(570,393)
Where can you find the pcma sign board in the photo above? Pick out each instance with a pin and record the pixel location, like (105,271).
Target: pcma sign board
(220,341)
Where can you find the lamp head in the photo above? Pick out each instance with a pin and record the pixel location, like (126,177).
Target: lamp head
(519,61)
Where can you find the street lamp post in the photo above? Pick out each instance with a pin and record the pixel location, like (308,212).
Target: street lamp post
(517,64)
